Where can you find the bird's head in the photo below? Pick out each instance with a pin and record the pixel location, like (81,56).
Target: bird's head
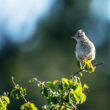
(80,35)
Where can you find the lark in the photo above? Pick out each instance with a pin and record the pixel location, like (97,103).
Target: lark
(85,49)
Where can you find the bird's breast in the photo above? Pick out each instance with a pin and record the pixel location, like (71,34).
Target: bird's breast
(85,49)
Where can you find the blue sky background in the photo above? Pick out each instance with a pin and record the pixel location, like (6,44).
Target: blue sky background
(19,18)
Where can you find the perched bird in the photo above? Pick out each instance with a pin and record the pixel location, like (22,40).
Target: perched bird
(85,49)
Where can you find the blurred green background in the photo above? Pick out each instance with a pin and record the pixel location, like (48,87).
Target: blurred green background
(35,41)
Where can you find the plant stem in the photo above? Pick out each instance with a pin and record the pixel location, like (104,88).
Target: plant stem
(99,64)
(24,99)
(12,78)
(84,69)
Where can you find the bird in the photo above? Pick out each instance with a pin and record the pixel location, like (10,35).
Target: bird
(85,48)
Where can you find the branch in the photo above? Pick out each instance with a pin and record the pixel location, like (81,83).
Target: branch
(97,64)
(12,78)
(24,99)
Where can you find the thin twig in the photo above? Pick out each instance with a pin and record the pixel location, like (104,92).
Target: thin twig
(12,78)
(84,69)
(99,64)
(77,72)
(24,99)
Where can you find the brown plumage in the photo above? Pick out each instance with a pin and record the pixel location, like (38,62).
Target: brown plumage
(85,49)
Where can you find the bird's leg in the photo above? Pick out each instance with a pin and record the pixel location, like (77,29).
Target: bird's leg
(82,63)
(92,65)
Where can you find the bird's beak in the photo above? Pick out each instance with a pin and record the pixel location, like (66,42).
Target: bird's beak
(74,37)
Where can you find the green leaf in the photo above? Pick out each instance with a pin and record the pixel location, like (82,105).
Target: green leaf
(18,92)
(44,92)
(91,70)
(6,99)
(28,106)
(50,85)
(76,96)
(83,98)
(71,82)
(60,88)
(65,84)
(66,98)
(81,74)
(22,91)
(33,80)
(15,93)
(85,86)
(54,99)
(66,81)
(67,91)
(1,103)
(88,66)
(55,82)
(77,93)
